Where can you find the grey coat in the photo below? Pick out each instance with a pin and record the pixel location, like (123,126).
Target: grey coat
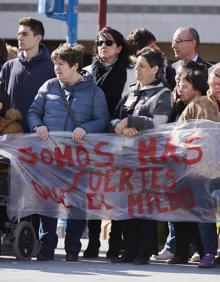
(146,108)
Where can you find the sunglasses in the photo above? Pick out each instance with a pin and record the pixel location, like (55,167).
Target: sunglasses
(107,42)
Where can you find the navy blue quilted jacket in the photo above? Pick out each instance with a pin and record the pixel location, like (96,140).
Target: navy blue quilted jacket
(86,100)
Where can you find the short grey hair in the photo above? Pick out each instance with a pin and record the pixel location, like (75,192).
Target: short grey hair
(214,70)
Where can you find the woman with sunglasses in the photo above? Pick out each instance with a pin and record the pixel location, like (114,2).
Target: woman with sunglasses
(109,70)
(147,105)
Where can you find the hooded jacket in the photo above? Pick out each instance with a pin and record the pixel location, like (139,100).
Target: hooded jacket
(86,100)
(146,108)
(21,78)
(11,123)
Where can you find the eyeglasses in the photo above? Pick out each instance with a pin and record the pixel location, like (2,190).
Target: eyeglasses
(180,41)
(107,42)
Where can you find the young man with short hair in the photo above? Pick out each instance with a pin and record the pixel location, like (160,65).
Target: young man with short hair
(22,77)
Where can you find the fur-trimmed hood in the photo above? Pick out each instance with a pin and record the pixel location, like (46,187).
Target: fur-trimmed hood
(11,123)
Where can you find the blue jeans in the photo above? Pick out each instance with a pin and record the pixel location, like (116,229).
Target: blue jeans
(170,243)
(208,233)
(74,232)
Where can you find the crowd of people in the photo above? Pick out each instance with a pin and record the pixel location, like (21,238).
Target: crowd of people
(128,87)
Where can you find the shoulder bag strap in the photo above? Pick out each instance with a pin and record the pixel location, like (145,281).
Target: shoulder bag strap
(71,113)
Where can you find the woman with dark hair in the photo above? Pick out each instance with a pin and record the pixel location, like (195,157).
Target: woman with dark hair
(3,53)
(192,85)
(147,105)
(191,82)
(109,70)
(109,66)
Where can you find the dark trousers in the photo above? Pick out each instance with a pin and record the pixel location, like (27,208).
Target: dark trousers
(209,238)
(115,236)
(94,228)
(185,234)
(140,237)
(74,232)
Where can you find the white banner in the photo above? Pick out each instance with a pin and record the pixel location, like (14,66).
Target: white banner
(166,173)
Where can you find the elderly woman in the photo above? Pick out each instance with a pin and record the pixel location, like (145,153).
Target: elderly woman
(147,105)
(87,113)
(206,107)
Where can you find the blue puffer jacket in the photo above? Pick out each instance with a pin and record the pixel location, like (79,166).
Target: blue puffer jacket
(86,100)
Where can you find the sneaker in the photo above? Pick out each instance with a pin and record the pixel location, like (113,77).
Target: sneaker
(195,257)
(208,261)
(45,254)
(163,255)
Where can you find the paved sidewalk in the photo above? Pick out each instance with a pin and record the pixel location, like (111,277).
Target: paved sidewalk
(87,270)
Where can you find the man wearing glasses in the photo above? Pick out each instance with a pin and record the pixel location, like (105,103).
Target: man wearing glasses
(185,46)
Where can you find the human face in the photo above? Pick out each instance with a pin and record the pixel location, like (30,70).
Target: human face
(183,45)
(64,72)
(214,86)
(145,74)
(27,41)
(108,53)
(186,91)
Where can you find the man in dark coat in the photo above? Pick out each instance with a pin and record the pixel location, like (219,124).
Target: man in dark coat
(22,77)
(185,46)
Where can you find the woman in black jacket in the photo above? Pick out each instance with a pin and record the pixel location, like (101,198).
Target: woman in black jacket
(109,70)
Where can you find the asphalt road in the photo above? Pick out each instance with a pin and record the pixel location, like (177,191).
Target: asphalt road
(100,269)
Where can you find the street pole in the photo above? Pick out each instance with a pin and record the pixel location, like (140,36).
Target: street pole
(102,11)
(72,18)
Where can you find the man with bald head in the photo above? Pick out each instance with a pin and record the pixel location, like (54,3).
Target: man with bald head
(185,46)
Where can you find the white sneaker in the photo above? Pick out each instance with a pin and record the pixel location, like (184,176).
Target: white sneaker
(163,255)
(195,257)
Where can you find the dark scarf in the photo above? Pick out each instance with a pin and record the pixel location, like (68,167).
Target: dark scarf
(111,81)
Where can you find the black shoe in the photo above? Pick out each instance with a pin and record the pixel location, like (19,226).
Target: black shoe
(177,260)
(141,259)
(122,259)
(71,257)
(45,254)
(217,260)
(111,255)
(88,253)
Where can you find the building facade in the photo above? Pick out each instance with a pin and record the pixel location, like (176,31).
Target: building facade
(162,17)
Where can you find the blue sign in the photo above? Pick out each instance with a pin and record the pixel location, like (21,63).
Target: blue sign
(50,6)
(55,9)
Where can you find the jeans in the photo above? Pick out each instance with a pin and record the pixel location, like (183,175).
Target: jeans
(74,232)
(208,233)
(170,243)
